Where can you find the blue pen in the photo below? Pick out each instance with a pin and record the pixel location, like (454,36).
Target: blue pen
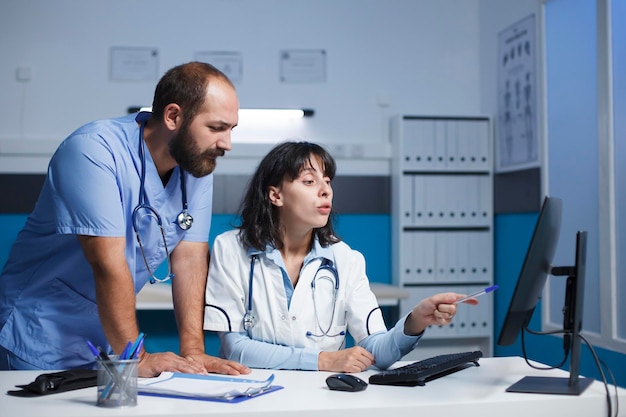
(133,348)
(476,294)
(93,349)
(133,352)
(126,352)
(138,350)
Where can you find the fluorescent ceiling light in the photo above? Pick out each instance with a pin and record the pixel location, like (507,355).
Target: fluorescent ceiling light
(274,114)
(256,115)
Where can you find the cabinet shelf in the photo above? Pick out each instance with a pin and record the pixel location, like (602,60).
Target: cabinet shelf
(442,219)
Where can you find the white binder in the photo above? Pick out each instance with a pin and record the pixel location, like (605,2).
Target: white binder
(440,145)
(408,201)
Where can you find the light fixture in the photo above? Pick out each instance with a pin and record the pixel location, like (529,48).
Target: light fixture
(274,114)
(256,115)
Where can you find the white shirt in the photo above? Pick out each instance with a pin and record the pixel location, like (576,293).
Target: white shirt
(292,334)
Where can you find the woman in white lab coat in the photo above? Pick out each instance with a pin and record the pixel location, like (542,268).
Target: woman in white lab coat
(283,291)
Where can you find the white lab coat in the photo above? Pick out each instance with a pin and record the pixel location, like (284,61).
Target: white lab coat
(227,290)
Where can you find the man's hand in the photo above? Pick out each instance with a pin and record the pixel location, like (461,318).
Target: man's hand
(152,364)
(354,359)
(218,365)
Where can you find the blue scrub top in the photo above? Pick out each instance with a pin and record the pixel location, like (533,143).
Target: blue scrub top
(47,291)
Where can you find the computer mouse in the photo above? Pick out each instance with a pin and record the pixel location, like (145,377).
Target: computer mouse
(345,382)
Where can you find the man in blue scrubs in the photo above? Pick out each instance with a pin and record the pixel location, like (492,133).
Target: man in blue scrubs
(75,268)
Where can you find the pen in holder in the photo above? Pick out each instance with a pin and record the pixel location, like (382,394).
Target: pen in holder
(117,382)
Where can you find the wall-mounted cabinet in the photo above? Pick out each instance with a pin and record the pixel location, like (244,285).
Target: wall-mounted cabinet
(442,217)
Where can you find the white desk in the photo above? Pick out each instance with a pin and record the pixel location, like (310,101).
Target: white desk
(159,296)
(475,391)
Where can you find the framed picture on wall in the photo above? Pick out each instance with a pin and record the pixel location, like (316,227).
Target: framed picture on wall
(134,63)
(229,62)
(517,141)
(303,66)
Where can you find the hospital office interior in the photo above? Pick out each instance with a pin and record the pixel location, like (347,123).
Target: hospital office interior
(380,58)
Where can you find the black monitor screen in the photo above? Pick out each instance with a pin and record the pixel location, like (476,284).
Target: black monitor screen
(534,272)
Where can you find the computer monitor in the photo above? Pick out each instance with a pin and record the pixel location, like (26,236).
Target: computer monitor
(535,270)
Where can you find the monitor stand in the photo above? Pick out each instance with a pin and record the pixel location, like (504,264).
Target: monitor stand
(550,385)
(572,324)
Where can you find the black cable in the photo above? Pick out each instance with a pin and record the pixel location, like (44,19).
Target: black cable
(614,386)
(600,365)
(543,368)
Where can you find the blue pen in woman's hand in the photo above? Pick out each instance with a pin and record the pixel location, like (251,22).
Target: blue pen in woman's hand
(476,294)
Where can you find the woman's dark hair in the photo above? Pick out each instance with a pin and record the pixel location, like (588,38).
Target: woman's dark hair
(259,217)
(186,86)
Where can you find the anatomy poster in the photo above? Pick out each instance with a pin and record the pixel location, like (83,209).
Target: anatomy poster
(517,141)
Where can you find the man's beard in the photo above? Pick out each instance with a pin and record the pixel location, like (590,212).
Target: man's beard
(189,157)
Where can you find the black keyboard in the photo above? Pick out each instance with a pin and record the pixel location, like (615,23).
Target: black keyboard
(420,372)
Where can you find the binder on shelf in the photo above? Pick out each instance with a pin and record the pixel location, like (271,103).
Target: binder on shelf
(472,147)
(485,198)
(411,148)
(437,189)
(481,249)
(408,202)
(441,171)
(463,146)
(421,201)
(409,253)
(424,144)
(478,316)
(462,255)
(483,153)
(220,388)
(440,145)
(428,243)
(418,259)
(452,147)
(450,200)
(457,246)
(442,257)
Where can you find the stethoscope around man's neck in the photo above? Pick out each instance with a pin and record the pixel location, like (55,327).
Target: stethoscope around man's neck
(184,220)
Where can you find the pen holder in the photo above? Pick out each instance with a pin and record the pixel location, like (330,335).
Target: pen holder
(117,382)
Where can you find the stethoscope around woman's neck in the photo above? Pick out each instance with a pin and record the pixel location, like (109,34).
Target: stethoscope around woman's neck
(184,220)
(249,319)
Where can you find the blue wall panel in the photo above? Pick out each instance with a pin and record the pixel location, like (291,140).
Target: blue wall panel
(512,236)
(368,233)
(10,226)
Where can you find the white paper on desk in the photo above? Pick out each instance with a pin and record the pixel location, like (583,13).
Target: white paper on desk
(203,386)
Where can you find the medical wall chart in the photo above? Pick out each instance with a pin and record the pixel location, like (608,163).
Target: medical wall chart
(516,130)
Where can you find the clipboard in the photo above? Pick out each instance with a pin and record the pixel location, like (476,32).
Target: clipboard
(219,388)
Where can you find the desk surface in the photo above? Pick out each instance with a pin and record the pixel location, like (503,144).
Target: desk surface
(159,296)
(475,391)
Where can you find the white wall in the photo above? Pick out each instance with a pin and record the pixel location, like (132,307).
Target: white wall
(422,56)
